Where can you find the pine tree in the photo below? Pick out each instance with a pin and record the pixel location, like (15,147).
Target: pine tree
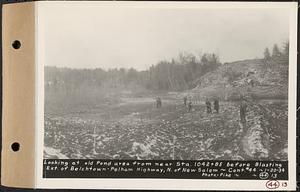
(204,59)
(286,48)
(267,55)
(276,53)
(285,53)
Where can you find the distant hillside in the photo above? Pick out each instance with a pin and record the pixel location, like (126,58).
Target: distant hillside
(255,78)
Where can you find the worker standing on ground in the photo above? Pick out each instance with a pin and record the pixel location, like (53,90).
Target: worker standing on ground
(190,106)
(243,110)
(216,105)
(208,106)
(159,102)
(185,100)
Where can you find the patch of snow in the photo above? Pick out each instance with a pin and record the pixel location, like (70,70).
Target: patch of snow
(49,152)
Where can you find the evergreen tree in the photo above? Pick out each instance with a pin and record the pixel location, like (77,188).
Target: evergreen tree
(267,55)
(286,48)
(204,59)
(285,53)
(276,53)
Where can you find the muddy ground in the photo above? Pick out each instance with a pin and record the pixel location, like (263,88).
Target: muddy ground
(133,128)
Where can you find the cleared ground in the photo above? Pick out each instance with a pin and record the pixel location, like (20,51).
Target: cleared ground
(133,128)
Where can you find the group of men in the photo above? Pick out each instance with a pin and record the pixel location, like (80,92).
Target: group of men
(243,107)
(208,104)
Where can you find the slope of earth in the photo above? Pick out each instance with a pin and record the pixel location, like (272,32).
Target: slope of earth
(254,78)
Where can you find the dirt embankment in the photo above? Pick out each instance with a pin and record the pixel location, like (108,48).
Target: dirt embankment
(249,77)
(264,131)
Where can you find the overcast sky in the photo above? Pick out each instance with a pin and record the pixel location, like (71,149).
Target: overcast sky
(93,35)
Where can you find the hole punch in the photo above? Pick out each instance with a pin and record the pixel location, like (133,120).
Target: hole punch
(15,146)
(16,44)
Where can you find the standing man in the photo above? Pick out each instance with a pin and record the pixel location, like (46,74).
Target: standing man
(190,106)
(216,105)
(243,110)
(185,100)
(208,106)
(159,102)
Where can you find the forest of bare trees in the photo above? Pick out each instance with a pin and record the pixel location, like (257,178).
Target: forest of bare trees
(176,74)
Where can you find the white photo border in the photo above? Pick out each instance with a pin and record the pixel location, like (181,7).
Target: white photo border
(165,184)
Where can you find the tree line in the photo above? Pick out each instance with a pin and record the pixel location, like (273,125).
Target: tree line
(176,74)
(279,55)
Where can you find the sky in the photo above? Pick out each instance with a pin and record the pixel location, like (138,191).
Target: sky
(120,35)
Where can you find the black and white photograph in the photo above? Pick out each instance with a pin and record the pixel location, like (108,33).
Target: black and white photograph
(166,83)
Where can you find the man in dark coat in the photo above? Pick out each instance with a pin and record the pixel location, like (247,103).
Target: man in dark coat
(185,100)
(216,105)
(208,106)
(243,110)
(158,102)
(190,106)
